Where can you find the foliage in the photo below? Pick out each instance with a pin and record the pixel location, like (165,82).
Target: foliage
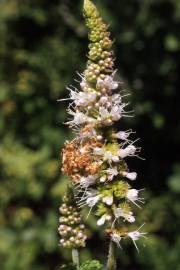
(91,265)
(42,43)
(88,265)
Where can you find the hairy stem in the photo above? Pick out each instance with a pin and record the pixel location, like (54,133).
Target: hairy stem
(111,262)
(75,258)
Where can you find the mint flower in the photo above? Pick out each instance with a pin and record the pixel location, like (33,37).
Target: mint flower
(95,160)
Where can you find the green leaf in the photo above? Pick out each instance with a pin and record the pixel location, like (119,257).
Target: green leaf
(91,265)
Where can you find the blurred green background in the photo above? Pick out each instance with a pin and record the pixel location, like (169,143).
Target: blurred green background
(42,45)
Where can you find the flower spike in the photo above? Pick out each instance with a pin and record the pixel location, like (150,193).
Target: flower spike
(96,159)
(71,228)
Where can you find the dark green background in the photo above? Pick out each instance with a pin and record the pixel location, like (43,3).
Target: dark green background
(42,45)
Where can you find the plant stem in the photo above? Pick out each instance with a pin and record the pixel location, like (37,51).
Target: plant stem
(111,262)
(75,257)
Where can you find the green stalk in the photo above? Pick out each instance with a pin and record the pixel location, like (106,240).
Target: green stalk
(111,262)
(75,257)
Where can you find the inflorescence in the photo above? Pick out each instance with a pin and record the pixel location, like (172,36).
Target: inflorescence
(95,159)
(71,228)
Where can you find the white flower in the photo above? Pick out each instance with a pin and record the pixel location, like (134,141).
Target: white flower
(130,217)
(111,173)
(79,118)
(108,200)
(116,113)
(122,135)
(83,98)
(108,156)
(98,151)
(92,201)
(119,212)
(102,220)
(131,149)
(103,100)
(107,83)
(116,238)
(102,179)
(128,151)
(90,198)
(104,113)
(114,157)
(116,99)
(132,194)
(135,235)
(130,175)
(84,85)
(85,182)
(88,133)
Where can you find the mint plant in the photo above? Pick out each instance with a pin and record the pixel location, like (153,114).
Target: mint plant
(96,159)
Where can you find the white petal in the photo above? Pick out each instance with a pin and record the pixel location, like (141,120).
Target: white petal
(116,113)
(98,151)
(118,212)
(115,158)
(131,176)
(122,135)
(101,221)
(130,218)
(132,194)
(108,200)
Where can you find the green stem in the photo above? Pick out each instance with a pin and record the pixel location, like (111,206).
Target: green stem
(111,263)
(75,257)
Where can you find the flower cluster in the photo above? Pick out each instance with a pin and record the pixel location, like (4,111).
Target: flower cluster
(71,229)
(96,159)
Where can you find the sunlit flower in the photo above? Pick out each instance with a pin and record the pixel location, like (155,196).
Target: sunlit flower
(106,155)
(132,196)
(107,83)
(130,150)
(116,99)
(119,212)
(110,157)
(79,118)
(92,197)
(115,113)
(108,200)
(103,219)
(116,238)
(130,175)
(85,182)
(135,235)
(111,172)
(83,98)
(122,135)
(92,201)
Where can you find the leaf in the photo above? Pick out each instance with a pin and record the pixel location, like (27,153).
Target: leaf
(91,265)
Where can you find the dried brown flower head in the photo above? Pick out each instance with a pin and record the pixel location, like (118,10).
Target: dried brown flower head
(78,158)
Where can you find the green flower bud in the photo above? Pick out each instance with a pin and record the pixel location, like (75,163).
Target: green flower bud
(90,9)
